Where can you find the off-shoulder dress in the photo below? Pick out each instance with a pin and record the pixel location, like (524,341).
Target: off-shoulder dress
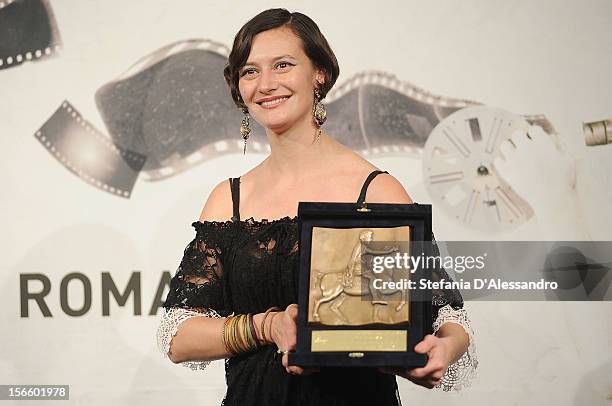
(247,266)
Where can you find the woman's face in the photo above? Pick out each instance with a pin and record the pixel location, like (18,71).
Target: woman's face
(278,79)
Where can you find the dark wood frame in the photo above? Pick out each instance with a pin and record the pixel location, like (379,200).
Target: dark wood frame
(350,215)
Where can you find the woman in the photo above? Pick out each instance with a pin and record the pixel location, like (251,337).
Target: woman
(279,69)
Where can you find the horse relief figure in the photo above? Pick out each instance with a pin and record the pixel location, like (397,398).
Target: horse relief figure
(355,281)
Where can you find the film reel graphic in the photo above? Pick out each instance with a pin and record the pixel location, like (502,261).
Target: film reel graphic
(459,173)
(89,154)
(173,105)
(375,113)
(28,32)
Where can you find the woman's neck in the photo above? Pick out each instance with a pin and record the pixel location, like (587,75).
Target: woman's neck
(297,153)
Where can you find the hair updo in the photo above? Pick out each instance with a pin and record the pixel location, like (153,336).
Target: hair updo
(313,42)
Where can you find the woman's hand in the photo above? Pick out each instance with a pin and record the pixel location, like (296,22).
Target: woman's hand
(283,332)
(428,376)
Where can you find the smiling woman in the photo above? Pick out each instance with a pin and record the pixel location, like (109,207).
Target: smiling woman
(280,62)
(233,296)
(279,93)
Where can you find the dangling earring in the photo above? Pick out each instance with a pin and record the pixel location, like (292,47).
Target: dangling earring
(245,130)
(319,113)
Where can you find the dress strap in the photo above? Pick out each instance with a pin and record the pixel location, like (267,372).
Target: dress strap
(364,188)
(235,187)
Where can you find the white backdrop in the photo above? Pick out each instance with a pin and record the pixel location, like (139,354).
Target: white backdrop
(547,57)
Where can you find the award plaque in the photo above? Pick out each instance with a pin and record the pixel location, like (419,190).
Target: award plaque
(353,311)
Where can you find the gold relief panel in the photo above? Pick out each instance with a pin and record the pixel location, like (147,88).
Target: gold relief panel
(342,289)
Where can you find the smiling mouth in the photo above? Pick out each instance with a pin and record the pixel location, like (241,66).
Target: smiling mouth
(273,103)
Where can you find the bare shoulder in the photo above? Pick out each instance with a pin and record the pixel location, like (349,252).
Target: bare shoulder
(218,206)
(385,188)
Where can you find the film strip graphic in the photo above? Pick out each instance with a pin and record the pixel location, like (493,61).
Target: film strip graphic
(394,117)
(170,50)
(373,112)
(171,111)
(87,153)
(412,111)
(381,78)
(28,32)
(173,106)
(133,107)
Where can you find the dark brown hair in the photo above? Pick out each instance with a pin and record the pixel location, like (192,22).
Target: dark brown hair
(314,43)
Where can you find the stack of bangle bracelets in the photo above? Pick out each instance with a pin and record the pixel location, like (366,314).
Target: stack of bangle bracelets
(239,334)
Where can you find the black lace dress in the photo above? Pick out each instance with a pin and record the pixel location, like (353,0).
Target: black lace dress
(247,267)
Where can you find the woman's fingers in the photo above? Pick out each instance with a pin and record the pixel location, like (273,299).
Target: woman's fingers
(290,328)
(435,367)
(285,328)
(428,383)
(295,370)
(292,311)
(426,345)
(429,375)
(288,340)
(432,366)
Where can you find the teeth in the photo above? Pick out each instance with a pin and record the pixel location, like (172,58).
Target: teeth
(273,102)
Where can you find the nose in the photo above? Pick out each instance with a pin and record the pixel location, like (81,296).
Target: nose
(267,81)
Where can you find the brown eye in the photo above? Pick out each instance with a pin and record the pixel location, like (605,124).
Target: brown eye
(247,71)
(283,65)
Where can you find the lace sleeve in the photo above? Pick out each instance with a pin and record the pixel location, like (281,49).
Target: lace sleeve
(448,308)
(196,288)
(170,320)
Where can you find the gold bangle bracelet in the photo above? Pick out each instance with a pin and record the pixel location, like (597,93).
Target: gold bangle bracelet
(225,332)
(239,334)
(248,332)
(228,333)
(232,336)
